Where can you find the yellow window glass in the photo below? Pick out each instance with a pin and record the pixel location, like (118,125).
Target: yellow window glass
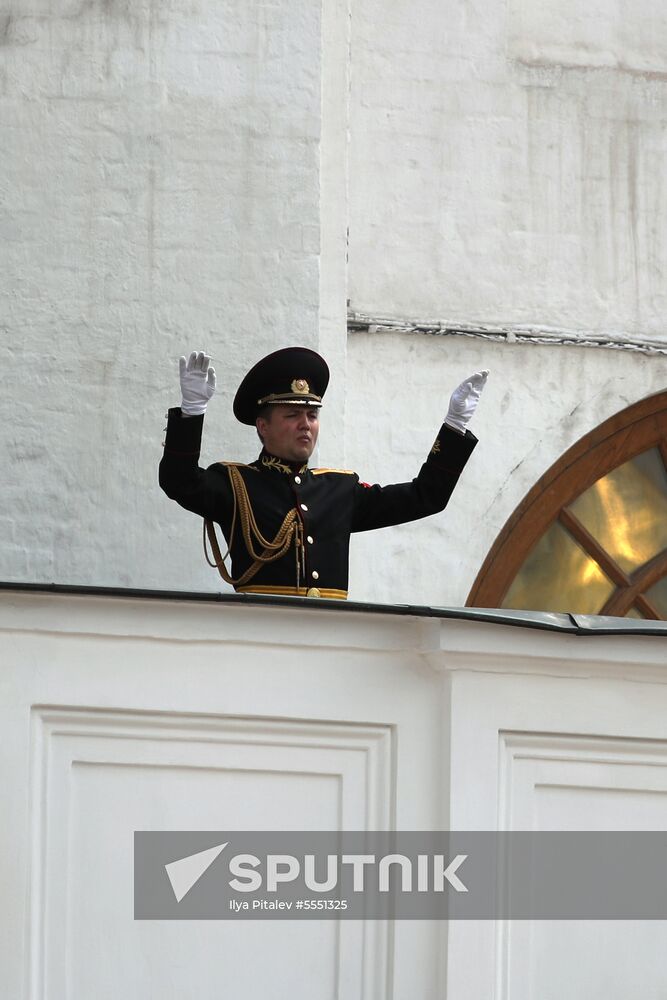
(658,596)
(626,511)
(558,575)
(634,613)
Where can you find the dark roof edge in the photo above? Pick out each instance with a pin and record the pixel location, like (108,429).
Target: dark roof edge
(572,624)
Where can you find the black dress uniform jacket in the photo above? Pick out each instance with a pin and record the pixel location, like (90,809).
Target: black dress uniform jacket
(330,504)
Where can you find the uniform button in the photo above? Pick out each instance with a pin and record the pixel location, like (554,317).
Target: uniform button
(309,539)
(303,507)
(315,575)
(297,480)
(313,592)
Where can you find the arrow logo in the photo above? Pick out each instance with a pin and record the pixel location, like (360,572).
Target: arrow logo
(186,871)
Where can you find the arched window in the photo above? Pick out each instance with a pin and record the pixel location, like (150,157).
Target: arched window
(591,535)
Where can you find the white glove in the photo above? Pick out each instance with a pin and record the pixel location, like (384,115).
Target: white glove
(464,401)
(197,383)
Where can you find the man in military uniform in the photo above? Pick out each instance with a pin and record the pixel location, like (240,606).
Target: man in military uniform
(288,526)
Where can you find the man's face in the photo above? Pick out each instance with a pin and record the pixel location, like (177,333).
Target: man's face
(290,432)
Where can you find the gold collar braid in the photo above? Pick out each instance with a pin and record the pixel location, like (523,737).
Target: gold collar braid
(271,462)
(291,530)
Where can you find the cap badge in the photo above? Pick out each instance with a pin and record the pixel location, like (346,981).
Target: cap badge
(300,385)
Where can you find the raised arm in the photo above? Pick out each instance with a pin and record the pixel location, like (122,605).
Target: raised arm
(203,491)
(381,506)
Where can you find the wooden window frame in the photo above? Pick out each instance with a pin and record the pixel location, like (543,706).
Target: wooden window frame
(618,440)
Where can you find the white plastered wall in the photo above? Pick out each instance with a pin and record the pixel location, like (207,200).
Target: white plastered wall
(507,166)
(180,177)
(507,163)
(537,403)
(162,169)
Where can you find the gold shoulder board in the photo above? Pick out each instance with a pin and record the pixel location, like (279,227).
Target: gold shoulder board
(237,465)
(342,472)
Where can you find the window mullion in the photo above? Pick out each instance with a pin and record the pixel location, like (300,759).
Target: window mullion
(647,608)
(662,447)
(593,548)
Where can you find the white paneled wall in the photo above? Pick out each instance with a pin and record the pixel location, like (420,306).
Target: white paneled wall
(121,715)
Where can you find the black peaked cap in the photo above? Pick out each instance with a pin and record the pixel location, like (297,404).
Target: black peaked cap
(294,376)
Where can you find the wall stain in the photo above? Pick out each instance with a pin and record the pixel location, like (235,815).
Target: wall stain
(6,21)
